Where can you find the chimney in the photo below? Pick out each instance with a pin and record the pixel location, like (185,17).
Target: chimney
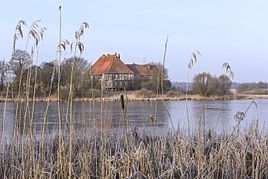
(118,55)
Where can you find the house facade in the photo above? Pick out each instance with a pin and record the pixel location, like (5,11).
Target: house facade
(115,75)
(112,73)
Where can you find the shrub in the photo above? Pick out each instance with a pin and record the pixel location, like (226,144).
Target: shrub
(39,92)
(144,93)
(257,91)
(96,93)
(174,94)
(64,92)
(253,88)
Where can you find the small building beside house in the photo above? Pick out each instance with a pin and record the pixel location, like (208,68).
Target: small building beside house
(143,72)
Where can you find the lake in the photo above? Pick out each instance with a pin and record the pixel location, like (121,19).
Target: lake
(145,115)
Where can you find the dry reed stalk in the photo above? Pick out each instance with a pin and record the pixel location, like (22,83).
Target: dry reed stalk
(4,119)
(18,33)
(61,44)
(32,34)
(193,60)
(163,65)
(78,46)
(162,157)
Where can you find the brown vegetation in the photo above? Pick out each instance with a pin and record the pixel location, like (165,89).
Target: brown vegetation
(118,155)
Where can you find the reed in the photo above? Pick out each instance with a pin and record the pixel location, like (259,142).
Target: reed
(235,155)
(193,60)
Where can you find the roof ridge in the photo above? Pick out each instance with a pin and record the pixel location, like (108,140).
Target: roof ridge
(125,65)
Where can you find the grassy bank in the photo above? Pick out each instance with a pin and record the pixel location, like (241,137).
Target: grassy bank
(108,155)
(133,97)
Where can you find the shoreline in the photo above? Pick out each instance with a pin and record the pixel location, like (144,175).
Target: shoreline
(132,97)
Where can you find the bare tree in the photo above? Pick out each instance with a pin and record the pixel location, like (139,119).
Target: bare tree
(81,76)
(3,71)
(201,84)
(205,84)
(19,63)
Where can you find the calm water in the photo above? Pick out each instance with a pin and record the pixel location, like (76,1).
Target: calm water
(218,115)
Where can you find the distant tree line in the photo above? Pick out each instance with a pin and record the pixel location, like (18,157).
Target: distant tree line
(23,77)
(254,88)
(207,85)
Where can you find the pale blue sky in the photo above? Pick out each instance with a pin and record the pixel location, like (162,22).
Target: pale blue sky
(233,31)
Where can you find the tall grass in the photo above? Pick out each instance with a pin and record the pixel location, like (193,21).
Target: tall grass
(193,60)
(114,155)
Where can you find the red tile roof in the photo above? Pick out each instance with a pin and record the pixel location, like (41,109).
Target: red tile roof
(110,64)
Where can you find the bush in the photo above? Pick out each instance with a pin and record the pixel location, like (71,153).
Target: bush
(144,93)
(39,92)
(96,93)
(253,88)
(173,94)
(64,92)
(257,91)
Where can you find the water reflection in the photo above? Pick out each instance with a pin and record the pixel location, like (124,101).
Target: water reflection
(7,118)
